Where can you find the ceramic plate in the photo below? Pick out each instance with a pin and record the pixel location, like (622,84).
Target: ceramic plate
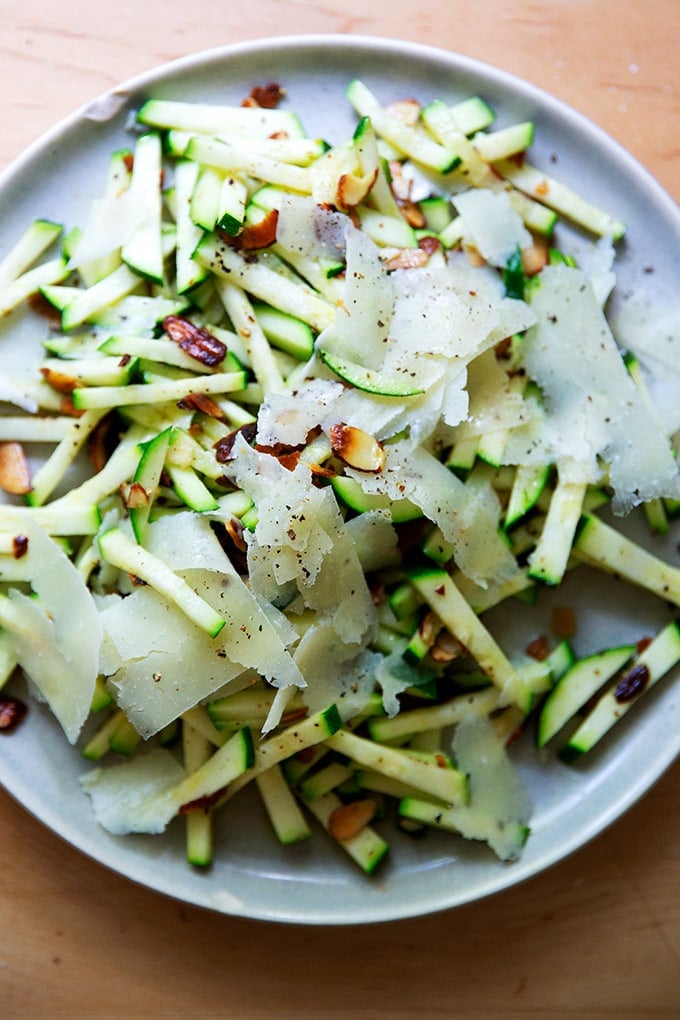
(314,882)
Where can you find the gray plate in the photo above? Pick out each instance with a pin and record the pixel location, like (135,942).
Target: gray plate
(314,883)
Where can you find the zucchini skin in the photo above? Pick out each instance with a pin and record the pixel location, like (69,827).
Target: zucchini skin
(580,683)
(644,671)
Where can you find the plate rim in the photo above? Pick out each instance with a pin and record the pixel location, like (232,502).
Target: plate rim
(121,91)
(99,109)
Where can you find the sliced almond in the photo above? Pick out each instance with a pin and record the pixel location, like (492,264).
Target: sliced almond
(399,182)
(287,456)
(407,110)
(203,403)
(429,627)
(41,306)
(352,190)
(15,473)
(503,349)
(412,213)
(430,244)
(196,341)
(446,648)
(19,546)
(535,257)
(234,529)
(539,648)
(59,381)
(224,447)
(347,821)
(357,448)
(319,471)
(136,496)
(254,236)
(66,406)
(408,258)
(474,257)
(267,96)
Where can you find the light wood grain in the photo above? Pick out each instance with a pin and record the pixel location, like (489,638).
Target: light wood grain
(613,61)
(597,935)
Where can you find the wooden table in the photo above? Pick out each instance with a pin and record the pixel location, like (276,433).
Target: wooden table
(596,936)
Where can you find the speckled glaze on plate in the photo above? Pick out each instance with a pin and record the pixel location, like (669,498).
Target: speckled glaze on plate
(314,883)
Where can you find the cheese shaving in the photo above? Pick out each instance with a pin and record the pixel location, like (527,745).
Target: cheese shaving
(57,637)
(573,356)
(491,224)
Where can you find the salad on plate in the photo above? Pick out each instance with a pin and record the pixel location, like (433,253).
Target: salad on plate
(314,413)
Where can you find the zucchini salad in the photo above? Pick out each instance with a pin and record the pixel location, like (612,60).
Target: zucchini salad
(306,418)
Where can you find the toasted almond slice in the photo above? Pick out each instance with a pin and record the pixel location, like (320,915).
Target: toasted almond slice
(66,406)
(347,821)
(98,447)
(357,448)
(41,306)
(535,257)
(473,256)
(59,381)
(400,183)
(268,96)
(196,341)
(203,403)
(446,648)
(15,473)
(408,258)
(135,496)
(407,110)
(429,627)
(234,529)
(352,190)
(254,236)
(412,213)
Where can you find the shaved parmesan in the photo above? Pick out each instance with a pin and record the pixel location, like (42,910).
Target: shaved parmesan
(153,642)
(650,329)
(135,796)
(362,323)
(499,807)
(491,224)
(56,638)
(249,638)
(289,418)
(336,672)
(375,540)
(305,226)
(301,539)
(573,356)
(434,315)
(597,262)
(111,223)
(496,400)
(394,676)
(12,391)
(467,516)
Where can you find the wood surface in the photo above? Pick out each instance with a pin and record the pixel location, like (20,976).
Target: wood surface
(595,936)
